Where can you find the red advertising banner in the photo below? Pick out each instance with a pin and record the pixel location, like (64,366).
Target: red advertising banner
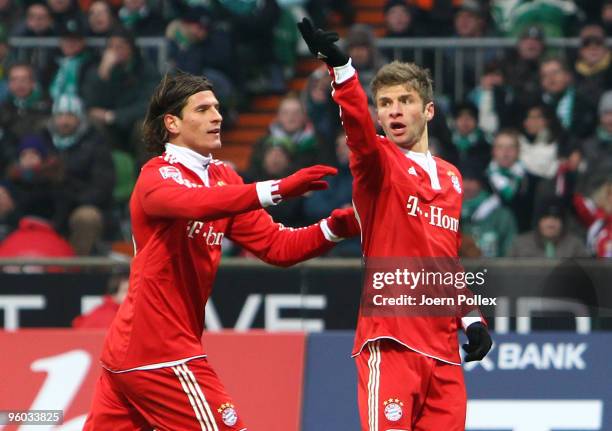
(47,369)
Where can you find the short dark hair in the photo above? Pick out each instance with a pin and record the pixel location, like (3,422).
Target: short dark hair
(170,97)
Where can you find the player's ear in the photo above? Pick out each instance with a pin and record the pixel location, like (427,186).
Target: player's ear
(172,123)
(429,111)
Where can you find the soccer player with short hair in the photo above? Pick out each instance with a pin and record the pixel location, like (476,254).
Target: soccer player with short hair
(408,203)
(155,372)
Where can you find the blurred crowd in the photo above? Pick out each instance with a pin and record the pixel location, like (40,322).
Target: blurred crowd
(531,133)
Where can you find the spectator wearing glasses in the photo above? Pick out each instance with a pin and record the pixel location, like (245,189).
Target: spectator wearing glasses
(593,68)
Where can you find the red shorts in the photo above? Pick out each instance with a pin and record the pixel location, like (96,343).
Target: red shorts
(183,397)
(401,390)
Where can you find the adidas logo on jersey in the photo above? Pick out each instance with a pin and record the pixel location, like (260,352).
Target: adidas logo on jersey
(412,171)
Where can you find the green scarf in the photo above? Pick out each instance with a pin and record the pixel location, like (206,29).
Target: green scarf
(471,205)
(604,136)
(465,142)
(505,181)
(28,102)
(130,18)
(62,143)
(67,76)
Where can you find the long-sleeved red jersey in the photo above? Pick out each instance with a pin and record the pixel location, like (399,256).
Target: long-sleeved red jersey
(408,205)
(182,207)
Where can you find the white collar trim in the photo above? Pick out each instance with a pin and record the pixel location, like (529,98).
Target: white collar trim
(191,160)
(428,164)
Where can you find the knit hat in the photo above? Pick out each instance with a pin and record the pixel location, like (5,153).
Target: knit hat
(392,3)
(605,102)
(68,104)
(533,32)
(550,207)
(33,142)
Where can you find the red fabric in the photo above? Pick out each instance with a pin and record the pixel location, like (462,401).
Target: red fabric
(100,317)
(35,238)
(393,199)
(402,390)
(428,4)
(178,226)
(183,397)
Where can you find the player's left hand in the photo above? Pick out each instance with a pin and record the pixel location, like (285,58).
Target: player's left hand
(343,223)
(479,342)
(322,44)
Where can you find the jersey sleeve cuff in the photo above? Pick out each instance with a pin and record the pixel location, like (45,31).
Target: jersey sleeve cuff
(467,321)
(267,192)
(343,73)
(327,233)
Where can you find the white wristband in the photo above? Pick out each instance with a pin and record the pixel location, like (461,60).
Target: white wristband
(467,321)
(344,73)
(267,192)
(327,233)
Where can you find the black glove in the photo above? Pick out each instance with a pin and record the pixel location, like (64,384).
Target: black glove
(479,342)
(322,44)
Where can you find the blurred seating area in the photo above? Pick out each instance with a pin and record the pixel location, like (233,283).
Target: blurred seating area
(523,108)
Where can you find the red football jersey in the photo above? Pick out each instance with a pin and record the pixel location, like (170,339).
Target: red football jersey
(408,205)
(182,207)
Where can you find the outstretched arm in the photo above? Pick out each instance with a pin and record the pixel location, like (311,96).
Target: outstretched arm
(164,193)
(285,246)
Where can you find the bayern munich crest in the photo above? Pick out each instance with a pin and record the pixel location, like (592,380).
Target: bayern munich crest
(393,409)
(228,414)
(455,181)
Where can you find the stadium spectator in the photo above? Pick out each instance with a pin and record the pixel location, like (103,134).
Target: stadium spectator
(76,61)
(467,138)
(606,16)
(10,15)
(38,22)
(85,193)
(597,149)
(495,100)
(277,163)
(483,217)
(321,10)
(66,14)
(339,195)
(138,17)
(100,19)
(322,111)
(367,59)
(35,237)
(260,70)
(117,91)
(35,176)
(26,108)
(292,130)
(508,178)
(9,215)
(401,22)
(521,66)
(593,68)
(102,316)
(198,46)
(575,112)
(469,22)
(550,238)
(542,140)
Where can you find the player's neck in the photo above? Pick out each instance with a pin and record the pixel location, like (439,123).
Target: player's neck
(421,146)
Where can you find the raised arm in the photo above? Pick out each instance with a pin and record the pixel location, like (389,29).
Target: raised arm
(348,93)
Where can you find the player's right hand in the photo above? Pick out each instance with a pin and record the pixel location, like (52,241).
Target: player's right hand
(322,44)
(479,342)
(303,181)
